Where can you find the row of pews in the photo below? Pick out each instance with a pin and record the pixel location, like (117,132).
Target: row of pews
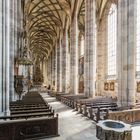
(31,117)
(96,108)
(99,107)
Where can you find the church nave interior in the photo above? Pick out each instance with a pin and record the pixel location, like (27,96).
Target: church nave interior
(63,61)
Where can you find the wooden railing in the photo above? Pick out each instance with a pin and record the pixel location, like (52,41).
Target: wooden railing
(127,116)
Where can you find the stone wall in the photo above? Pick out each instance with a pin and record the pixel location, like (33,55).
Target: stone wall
(101,72)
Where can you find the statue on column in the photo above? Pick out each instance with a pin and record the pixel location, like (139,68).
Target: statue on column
(18,85)
(38,75)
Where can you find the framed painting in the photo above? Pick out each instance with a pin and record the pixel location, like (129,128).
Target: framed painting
(106,86)
(112,86)
(138,87)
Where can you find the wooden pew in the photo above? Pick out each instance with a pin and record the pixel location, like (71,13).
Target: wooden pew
(59,95)
(111,106)
(80,104)
(15,112)
(29,108)
(95,108)
(101,112)
(35,128)
(26,116)
(29,119)
(70,99)
(28,105)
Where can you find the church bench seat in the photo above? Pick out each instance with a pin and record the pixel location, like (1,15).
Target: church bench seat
(99,113)
(90,102)
(29,108)
(80,102)
(25,105)
(26,116)
(86,108)
(29,105)
(59,95)
(29,111)
(70,99)
(29,129)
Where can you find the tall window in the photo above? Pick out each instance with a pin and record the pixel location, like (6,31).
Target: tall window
(82,46)
(112,37)
(138,39)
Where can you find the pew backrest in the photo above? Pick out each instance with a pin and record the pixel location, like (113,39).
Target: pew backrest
(28,129)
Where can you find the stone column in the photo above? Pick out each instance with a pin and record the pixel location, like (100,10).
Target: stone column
(101,56)
(45,72)
(67,64)
(126,45)
(12,26)
(67,67)
(64,59)
(16,25)
(47,63)
(58,65)
(61,65)
(50,69)
(5,57)
(90,47)
(46,75)
(50,73)
(15,37)
(74,54)
(1,44)
(53,67)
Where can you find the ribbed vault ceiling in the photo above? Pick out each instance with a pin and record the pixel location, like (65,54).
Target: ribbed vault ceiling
(44,19)
(81,17)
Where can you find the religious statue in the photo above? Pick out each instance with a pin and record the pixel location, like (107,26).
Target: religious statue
(38,76)
(18,85)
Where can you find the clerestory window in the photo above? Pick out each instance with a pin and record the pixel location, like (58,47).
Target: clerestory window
(112,41)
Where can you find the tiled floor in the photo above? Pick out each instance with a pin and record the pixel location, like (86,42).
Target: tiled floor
(73,126)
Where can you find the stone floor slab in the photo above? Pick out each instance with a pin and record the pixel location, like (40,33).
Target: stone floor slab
(72,126)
